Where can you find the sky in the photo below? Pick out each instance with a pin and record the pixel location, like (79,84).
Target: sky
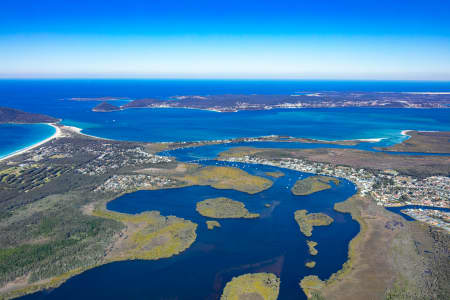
(283,39)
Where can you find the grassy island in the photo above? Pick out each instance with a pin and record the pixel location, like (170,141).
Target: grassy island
(312,249)
(306,221)
(228,178)
(312,185)
(212,224)
(310,264)
(150,235)
(223,208)
(264,286)
(275,174)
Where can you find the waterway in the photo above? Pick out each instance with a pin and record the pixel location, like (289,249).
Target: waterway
(271,243)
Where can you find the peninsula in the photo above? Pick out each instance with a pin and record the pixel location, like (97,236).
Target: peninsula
(11,115)
(423,141)
(233,103)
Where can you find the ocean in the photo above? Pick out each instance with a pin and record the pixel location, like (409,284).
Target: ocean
(153,125)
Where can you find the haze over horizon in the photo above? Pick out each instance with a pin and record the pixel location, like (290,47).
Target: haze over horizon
(401,40)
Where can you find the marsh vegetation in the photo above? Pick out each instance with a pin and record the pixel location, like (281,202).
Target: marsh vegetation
(312,185)
(212,224)
(224,208)
(228,178)
(306,221)
(256,286)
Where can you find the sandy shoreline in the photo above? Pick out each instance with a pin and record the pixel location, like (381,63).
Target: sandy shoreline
(21,151)
(405,132)
(78,130)
(58,133)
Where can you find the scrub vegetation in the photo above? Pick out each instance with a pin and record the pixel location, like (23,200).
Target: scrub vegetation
(149,235)
(311,285)
(275,174)
(312,249)
(212,224)
(228,178)
(312,185)
(423,141)
(306,221)
(53,225)
(256,286)
(223,208)
(413,264)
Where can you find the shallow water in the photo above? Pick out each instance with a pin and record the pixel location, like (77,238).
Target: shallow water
(14,137)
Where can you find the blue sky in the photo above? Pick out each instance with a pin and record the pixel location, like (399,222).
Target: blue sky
(397,39)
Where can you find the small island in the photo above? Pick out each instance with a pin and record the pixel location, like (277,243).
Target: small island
(11,115)
(312,249)
(310,264)
(224,208)
(106,107)
(307,221)
(261,286)
(212,224)
(312,185)
(275,174)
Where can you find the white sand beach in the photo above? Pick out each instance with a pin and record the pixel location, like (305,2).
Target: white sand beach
(54,136)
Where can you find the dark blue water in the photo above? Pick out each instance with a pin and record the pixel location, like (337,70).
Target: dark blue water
(398,210)
(14,137)
(271,243)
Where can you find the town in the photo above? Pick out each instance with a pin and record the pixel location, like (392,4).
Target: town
(387,188)
(123,183)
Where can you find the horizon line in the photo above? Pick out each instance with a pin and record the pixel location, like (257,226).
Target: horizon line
(224,79)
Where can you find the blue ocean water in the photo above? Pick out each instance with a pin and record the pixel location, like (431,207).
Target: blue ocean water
(45,96)
(272,243)
(14,137)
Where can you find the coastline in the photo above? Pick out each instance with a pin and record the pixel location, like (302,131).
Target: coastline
(78,131)
(405,132)
(57,134)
